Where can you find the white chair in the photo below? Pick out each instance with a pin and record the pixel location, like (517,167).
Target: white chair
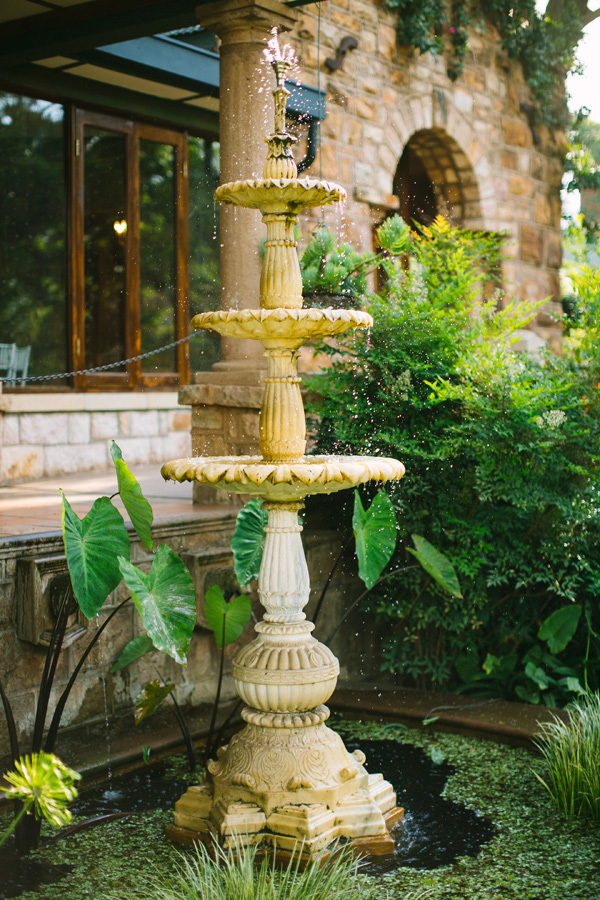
(20,366)
(7,360)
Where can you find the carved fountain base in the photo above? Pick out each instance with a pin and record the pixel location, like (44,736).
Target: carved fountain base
(286,781)
(288,786)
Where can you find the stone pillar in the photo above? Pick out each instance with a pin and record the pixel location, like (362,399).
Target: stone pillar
(224,401)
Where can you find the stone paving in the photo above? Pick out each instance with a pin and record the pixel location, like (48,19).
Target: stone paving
(34,507)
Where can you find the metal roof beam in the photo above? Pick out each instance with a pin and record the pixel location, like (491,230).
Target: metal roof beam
(164,59)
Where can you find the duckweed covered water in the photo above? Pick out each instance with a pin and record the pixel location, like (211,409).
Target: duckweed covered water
(533,854)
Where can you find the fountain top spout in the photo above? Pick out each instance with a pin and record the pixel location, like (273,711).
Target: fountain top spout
(282,60)
(280,159)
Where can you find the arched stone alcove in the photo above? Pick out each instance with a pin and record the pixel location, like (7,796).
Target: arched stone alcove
(430,140)
(434,177)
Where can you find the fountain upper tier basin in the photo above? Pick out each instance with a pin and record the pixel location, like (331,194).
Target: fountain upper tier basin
(283,481)
(282,327)
(280,195)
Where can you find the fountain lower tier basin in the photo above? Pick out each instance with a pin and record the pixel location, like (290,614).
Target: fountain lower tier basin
(280,195)
(282,328)
(283,481)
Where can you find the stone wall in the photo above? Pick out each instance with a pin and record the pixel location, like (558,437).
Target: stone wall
(27,569)
(54,434)
(491,167)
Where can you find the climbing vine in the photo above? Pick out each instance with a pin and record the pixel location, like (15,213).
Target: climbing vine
(544,43)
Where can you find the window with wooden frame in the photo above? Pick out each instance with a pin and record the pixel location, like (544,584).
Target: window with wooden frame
(120,222)
(129,253)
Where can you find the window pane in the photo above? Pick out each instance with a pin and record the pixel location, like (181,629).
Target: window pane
(203,167)
(105,239)
(157,254)
(32,231)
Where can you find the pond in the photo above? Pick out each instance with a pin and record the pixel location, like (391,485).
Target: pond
(498,836)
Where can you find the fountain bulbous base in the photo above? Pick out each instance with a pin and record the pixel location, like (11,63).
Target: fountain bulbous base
(292,788)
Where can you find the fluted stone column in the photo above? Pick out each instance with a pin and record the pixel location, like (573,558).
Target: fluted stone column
(224,401)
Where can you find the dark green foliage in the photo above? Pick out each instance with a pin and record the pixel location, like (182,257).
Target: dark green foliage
(421,24)
(503,458)
(335,274)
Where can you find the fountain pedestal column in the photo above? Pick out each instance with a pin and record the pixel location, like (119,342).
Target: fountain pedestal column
(286,778)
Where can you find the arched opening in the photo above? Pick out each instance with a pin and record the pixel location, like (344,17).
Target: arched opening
(434,177)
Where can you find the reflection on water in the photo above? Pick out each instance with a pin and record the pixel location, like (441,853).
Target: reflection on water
(434,831)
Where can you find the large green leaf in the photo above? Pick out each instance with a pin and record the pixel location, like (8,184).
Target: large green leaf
(249,541)
(500,666)
(165,600)
(150,699)
(136,648)
(436,564)
(558,629)
(138,508)
(537,674)
(93,546)
(237,613)
(375,535)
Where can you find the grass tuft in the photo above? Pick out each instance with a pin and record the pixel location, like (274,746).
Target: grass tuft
(571,752)
(235,874)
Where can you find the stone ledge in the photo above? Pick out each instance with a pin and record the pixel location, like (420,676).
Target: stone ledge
(238,395)
(104,401)
(499,720)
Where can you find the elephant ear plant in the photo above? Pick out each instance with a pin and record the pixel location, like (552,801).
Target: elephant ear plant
(97,549)
(227,619)
(374,531)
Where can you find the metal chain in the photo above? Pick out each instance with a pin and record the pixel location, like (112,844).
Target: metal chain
(104,368)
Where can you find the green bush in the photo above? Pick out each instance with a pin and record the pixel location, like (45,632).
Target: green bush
(571,752)
(502,454)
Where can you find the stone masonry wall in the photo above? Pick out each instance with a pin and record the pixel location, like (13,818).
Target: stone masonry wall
(98,696)
(491,169)
(48,435)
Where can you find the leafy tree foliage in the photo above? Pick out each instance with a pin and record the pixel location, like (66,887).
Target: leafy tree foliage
(502,458)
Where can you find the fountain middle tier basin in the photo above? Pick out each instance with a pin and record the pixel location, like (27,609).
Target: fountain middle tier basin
(280,195)
(283,481)
(281,327)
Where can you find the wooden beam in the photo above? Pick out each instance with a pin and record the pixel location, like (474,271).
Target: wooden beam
(62,87)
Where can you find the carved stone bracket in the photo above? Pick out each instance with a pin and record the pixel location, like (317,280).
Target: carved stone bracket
(41,583)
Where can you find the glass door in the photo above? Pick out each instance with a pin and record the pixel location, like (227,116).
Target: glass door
(130,255)
(163,264)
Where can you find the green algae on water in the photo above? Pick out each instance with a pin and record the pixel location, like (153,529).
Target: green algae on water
(535,855)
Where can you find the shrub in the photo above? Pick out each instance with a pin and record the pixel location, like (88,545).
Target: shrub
(502,458)
(571,752)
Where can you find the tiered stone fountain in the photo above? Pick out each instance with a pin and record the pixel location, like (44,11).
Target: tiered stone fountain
(286,777)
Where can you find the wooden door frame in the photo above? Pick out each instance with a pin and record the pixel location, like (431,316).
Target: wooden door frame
(134,378)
